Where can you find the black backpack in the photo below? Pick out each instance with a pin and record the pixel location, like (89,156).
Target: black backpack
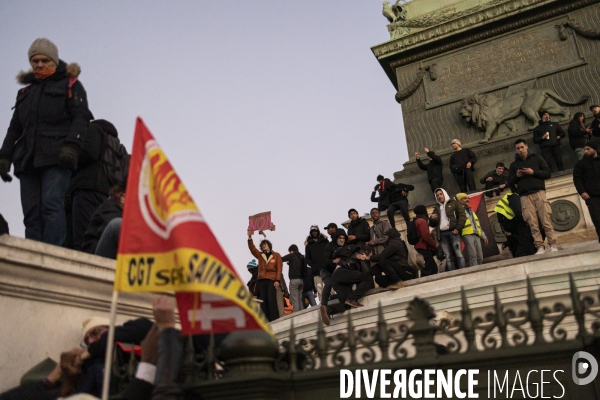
(412,235)
(115,161)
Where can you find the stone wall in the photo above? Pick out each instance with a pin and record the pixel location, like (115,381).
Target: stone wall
(45,294)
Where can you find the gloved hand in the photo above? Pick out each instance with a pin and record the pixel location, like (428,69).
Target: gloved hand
(68,156)
(4,168)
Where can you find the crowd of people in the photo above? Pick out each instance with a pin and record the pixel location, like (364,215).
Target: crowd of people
(368,256)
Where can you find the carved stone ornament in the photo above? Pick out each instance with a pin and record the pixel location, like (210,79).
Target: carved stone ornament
(487,113)
(410,89)
(499,235)
(394,13)
(565,215)
(585,32)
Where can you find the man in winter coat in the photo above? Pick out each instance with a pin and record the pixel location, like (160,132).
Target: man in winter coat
(314,251)
(399,201)
(393,261)
(427,245)
(384,187)
(90,185)
(297,272)
(43,140)
(462,165)
(338,239)
(358,230)
(496,178)
(269,275)
(433,168)
(348,273)
(109,210)
(528,173)
(449,218)
(547,135)
(595,125)
(586,177)
(579,134)
(518,235)
(377,232)
(472,234)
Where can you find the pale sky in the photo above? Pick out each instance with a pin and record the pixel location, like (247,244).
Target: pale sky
(260,105)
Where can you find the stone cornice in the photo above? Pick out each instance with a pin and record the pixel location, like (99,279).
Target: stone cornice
(488,15)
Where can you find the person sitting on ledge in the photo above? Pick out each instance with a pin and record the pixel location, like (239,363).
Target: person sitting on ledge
(352,269)
(496,178)
(384,187)
(393,261)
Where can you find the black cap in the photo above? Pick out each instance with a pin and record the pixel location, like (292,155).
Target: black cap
(542,112)
(331,225)
(593,106)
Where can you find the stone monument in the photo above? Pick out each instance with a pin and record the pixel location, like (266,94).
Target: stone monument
(480,70)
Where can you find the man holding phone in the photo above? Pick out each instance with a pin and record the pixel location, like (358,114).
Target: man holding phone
(528,173)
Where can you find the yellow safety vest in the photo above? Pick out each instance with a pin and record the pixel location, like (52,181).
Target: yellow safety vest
(503,208)
(468,229)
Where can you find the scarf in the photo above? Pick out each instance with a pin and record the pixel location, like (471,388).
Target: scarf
(44,74)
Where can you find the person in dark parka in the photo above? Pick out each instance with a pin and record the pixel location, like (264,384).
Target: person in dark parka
(43,140)
(433,168)
(586,177)
(579,134)
(314,251)
(547,135)
(393,261)
(89,186)
(496,178)
(358,230)
(384,187)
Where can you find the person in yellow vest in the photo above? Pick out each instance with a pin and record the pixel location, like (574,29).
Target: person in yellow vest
(518,235)
(472,234)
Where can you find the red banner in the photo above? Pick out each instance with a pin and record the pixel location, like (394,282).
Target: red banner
(166,245)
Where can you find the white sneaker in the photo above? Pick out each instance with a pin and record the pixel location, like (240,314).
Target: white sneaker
(553,248)
(540,251)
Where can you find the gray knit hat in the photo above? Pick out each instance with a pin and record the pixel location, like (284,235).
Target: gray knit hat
(45,47)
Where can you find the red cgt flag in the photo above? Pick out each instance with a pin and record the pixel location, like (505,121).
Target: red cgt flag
(166,245)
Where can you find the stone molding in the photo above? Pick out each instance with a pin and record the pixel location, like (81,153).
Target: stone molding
(504,10)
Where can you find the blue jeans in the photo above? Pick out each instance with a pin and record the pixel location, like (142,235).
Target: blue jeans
(43,192)
(108,245)
(310,296)
(451,243)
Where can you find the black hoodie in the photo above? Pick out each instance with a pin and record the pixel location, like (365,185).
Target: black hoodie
(297,265)
(528,184)
(553,129)
(434,168)
(315,253)
(395,250)
(359,228)
(330,249)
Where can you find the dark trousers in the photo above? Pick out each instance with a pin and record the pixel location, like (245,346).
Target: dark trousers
(43,192)
(593,204)
(326,277)
(435,183)
(85,203)
(108,245)
(394,273)
(465,180)
(553,156)
(342,280)
(430,267)
(401,205)
(31,391)
(268,295)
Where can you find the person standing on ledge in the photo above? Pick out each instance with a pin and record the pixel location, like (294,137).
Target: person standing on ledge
(547,135)
(595,109)
(43,140)
(269,275)
(586,177)
(399,201)
(449,218)
(472,234)
(433,168)
(579,134)
(462,165)
(384,187)
(528,173)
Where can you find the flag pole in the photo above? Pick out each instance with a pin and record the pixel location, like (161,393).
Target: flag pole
(109,346)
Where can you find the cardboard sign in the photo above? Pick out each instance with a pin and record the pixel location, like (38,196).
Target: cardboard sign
(261,222)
